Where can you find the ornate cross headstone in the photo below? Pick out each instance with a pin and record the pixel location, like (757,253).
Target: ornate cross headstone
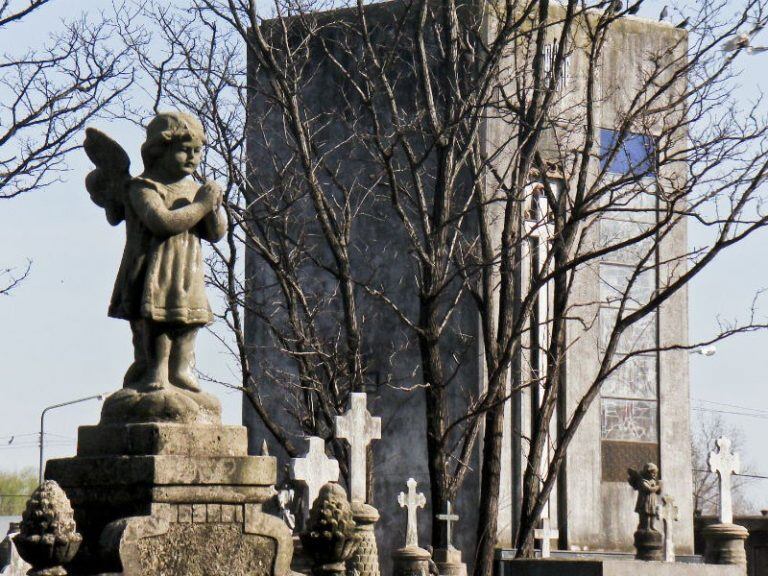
(546,534)
(668,512)
(449,518)
(724,464)
(412,501)
(314,470)
(358,428)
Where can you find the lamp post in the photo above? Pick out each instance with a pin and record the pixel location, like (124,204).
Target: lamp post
(704,350)
(99,397)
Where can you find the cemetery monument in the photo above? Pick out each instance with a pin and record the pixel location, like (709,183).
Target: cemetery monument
(159,485)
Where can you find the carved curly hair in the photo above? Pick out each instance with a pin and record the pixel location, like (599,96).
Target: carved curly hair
(168,127)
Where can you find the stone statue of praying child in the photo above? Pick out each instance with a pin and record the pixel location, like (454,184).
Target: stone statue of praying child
(648,487)
(160,286)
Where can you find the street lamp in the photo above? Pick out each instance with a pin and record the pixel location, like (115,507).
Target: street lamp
(705,350)
(99,397)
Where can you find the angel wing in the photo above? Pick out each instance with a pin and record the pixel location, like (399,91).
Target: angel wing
(634,478)
(107,184)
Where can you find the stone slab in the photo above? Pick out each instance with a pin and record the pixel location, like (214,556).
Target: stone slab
(86,471)
(573,567)
(162,439)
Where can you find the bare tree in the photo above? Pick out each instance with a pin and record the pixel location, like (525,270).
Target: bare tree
(443,139)
(49,93)
(708,428)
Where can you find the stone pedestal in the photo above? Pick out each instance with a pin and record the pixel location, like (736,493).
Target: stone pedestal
(449,562)
(410,561)
(725,544)
(172,499)
(365,560)
(649,545)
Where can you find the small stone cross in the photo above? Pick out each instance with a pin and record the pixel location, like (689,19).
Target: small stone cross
(358,428)
(412,501)
(314,470)
(725,464)
(545,534)
(449,518)
(669,514)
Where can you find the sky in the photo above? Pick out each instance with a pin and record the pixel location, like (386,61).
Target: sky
(57,343)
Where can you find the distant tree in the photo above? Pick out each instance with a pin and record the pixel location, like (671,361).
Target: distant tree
(47,95)
(708,428)
(15,487)
(498,225)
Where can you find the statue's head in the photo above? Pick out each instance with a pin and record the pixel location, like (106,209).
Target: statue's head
(651,471)
(173,145)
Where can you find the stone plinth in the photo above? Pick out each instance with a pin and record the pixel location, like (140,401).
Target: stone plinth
(649,545)
(725,544)
(365,560)
(410,561)
(571,567)
(449,562)
(172,499)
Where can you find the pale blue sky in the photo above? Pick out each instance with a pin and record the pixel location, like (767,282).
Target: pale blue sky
(57,343)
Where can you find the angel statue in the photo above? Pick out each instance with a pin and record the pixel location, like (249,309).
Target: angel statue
(648,488)
(160,286)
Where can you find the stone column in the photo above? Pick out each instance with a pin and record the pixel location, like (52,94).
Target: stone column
(725,544)
(410,561)
(365,560)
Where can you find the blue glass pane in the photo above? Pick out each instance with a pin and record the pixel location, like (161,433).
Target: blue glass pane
(635,154)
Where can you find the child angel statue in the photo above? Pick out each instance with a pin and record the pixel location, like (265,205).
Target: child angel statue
(648,486)
(160,286)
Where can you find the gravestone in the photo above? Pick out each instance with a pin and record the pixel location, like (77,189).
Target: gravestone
(160,485)
(315,469)
(546,534)
(724,464)
(669,514)
(725,540)
(411,560)
(359,429)
(448,559)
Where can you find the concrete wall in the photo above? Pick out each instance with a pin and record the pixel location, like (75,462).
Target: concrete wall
(599,515)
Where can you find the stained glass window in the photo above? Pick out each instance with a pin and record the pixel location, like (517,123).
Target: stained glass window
(631,154)
(629,420)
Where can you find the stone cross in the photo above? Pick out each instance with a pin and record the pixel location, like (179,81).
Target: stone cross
(412,501)
(725,464)
(449,518)
(358,428)
(545,534)
(669,514)
(314,470)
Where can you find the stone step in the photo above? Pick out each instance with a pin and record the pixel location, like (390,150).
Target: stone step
(162,439)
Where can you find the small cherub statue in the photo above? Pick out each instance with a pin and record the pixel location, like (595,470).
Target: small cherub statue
(648,487)
(160,286)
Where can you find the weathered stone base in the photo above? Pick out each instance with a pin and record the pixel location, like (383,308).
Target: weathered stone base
(365,560)
(557,567)
(449,562)
(410,561)
(649,545)
(171,499)
(725,544)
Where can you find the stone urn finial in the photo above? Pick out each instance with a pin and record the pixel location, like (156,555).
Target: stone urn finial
(48,537)
(330,538)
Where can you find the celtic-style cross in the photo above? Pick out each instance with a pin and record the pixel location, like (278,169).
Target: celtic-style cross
(358,428)
(669,514)
(412,501)
(314,470)
(725,464)
(449,518)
